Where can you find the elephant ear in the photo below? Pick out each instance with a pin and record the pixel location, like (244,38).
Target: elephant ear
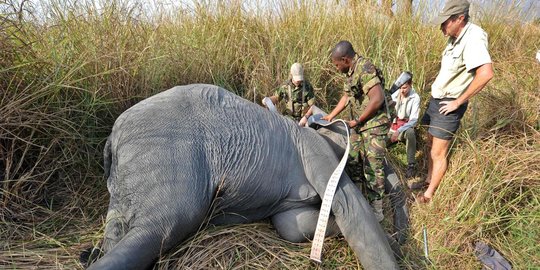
(335,132)
(315,120)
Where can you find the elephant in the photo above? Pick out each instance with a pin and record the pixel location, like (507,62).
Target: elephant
(177,156)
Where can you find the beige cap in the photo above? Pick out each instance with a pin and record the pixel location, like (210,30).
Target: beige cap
(297,72)
(451,7)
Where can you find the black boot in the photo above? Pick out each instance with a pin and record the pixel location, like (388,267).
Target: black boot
(411,171)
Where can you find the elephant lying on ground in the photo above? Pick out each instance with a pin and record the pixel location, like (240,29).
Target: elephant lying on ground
(177,156)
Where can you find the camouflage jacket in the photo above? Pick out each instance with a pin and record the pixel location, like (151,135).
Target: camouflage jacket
(361,78)
(297,98)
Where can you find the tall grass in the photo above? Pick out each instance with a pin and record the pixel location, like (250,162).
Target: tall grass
(69,69)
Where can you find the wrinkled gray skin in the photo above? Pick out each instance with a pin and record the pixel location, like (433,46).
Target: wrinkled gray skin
(174,157)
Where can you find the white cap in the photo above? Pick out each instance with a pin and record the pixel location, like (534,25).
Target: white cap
(297,72)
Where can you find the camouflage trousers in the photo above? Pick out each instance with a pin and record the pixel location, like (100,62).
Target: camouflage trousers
(366,161)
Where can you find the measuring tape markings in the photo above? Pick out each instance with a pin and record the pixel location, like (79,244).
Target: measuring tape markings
(326,205)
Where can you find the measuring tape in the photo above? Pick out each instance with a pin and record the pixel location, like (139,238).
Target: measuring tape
(324,214)
(269,104)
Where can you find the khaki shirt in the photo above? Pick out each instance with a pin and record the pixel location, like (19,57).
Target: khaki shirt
(360,79)
(298,98)
(459,58)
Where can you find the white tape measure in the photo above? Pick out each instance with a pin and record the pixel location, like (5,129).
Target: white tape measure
(324,214)
(269,104)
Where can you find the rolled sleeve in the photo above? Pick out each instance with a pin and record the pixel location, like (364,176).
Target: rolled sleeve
(347,89)
(311,102)
(369,80)
(310,96)
(476,53)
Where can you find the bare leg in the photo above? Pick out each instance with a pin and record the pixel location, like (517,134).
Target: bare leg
(438,165)
(429,160)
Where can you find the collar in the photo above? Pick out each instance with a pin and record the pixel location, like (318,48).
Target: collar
(294,86)
(458,39)
(356,60)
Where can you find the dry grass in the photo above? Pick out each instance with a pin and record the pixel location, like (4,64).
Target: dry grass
(251,246)
(490,193)
(66,74)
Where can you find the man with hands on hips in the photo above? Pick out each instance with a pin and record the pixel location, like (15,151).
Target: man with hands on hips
(466,67)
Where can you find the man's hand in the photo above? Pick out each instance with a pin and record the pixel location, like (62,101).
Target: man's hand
(327,118)
(352,123)
(303,121)
(394,137)
(448,106)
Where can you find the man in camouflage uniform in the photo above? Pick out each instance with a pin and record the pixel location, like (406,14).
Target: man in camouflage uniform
(363,93)
(298,95)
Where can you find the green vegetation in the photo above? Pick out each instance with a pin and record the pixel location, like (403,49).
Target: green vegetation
(67,72)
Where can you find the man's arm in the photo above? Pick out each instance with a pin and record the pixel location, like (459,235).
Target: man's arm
(304,119)
(279,94)
(484,74)
(376,99)
(275,99)
(310,101)
(308,113)
(339,107)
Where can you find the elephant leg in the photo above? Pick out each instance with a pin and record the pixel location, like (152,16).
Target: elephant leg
(136,250)
(160,224)
(145,241)
(298,225)
(115,226)
(398,198)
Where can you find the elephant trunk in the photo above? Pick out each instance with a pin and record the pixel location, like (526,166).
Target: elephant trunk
(352,212)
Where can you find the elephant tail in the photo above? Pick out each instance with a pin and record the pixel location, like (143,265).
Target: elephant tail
(107,158)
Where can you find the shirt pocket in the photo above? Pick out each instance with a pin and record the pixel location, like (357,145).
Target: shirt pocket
(453,59)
